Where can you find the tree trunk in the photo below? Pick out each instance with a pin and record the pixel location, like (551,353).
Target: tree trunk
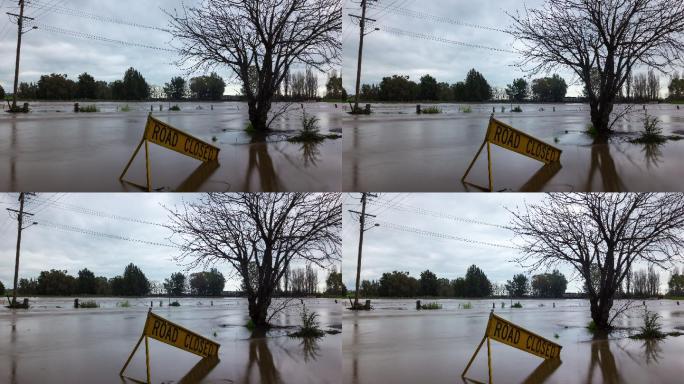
(600,118)
(600,311)
(258,311)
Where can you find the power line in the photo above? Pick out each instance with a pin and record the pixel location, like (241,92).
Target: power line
(69,228)
(435,18)
(421,232)
(108,19)
(416,35)
(90,36)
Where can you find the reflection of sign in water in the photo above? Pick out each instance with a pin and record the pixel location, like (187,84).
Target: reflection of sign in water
(164,135)
(508,333)
(507,137)
(160,329)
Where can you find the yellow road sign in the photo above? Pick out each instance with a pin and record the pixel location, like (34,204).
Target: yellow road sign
(508,333)
(163,134)
(512,139)
(158,328)
(507,137)
(167,332)
(504,331)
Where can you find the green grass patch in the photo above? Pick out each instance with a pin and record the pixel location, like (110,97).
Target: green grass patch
(89,304)
(466,109)
(467,306)
(311,327)
(250,325)
(431,306)
(431,111)
(175,108)
(591,327)
(125,108)
(556,336)
(651,330)
(89,109)
(517,305)
(123,304)
(517,109)
(591,130)
(174,304)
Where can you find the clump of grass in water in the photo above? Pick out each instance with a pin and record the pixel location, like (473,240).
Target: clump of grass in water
(310,132)
(250,325)
(557,336)
(517,305)
(123,304)
(125,108)
(175,108)
(517,109)
(591,130)
(310,326)
(466,109)
(89,304)
(431,111)
(429,306)
(591,327)
(652,133)
(89,109)
(468,306)
(651,327)
(175,304)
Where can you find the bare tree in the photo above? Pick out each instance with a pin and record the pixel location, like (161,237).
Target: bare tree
(609,37)
(259,235)
(268,35)
(601,236)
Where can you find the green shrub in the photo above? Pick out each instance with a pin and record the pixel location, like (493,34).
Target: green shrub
(517,305)
(517,109)
(310,326)
(123,304)
(431,111)
(466,109)
(591,130)
(175,108)
(89,109)
(468,305)
(429,306)
(89,304)
(651,328)
(250,325)
(591,327)
(174,304)
(125,108)
(652,133)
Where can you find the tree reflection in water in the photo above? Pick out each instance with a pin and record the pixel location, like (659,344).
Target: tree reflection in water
(602,357)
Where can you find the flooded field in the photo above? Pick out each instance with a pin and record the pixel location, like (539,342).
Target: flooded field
(55,149)
(53,340)
(396,150)
(395,343)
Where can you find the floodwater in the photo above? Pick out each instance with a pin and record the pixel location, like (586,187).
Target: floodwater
(52,342)
(395,343)
(55,149)
(396,150)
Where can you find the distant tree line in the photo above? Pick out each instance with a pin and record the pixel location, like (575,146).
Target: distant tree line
(2,93)
(474,88)
(59,283)
(401,284)
(545,285)
(474,284)
(207,88)
(641,283)
(204,283)
(334,88)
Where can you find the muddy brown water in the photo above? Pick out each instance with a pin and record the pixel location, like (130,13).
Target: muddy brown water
(64,345)
(394,343)
(395,150)
(55,149)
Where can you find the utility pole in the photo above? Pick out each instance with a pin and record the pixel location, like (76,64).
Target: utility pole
(20,23)
(362,229)
(20,227)
(362,34)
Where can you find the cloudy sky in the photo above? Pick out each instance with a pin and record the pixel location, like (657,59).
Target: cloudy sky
(45,51)
(386,53)
(386,249)
(44,247)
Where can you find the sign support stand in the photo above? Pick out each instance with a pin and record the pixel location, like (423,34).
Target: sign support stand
(472,359)
(147,160)
(489,167)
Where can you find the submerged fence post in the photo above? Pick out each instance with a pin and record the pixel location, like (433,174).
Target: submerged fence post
(418,304)
(418,110)
(76,108)
(75,303)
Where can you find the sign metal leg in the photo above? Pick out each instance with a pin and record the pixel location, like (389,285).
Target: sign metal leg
(147,164)
(472,163)
(147,359)
(473,358)
(131,160)
(489,166)
(489,360)
(131,356)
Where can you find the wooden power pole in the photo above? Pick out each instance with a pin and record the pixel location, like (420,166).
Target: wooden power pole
(20,32)
(362,230)
(362,34)
(20,227)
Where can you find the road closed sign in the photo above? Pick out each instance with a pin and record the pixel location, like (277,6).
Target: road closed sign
(167,332)
(507,137)
(508,333)
(514,140)
(158,328)
(163,134)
